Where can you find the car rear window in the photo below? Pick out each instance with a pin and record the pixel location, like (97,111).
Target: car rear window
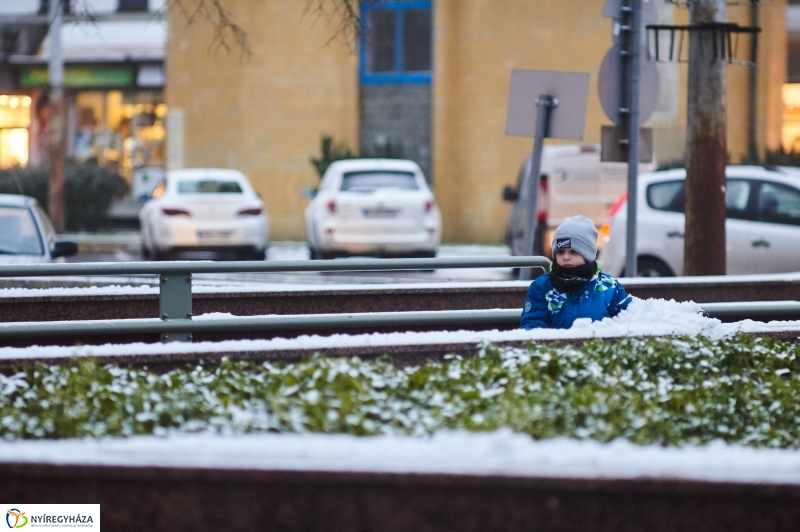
(666,196)
(369,181)
(19,236)
(209,186)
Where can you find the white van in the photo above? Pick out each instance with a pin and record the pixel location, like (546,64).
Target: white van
(573,181)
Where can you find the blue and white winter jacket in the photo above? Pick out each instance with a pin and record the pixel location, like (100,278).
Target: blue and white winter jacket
(545,307)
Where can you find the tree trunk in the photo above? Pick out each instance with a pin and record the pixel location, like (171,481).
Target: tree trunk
(706,150)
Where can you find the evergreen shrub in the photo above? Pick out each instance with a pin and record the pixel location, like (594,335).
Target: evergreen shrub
(664,391)
(89,190)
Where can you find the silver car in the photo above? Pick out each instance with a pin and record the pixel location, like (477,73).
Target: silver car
(762,229)
(26,234)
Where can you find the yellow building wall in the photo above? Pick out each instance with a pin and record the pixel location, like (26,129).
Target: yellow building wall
(264,114)
(479,42)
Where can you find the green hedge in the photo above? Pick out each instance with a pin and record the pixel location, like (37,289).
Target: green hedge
(89,190)
(665,391)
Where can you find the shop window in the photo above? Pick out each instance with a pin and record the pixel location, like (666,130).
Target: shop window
(128,6)
(13,147)
(124,130)
(396,44)
(15,118)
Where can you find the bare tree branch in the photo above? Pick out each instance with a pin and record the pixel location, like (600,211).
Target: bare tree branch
(228,35)
(344,14)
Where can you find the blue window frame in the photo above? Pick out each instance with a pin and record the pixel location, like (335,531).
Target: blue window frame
(396,44)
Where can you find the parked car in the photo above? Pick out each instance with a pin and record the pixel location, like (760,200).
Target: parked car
(204,209)
(762,227)
(26,234)
(573,181)
(375,207)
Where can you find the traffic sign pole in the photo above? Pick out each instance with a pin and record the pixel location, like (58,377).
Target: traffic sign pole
(546,103)
(633,135)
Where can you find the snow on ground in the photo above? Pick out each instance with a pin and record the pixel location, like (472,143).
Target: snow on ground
(213,286)
(651,317)
(498,453)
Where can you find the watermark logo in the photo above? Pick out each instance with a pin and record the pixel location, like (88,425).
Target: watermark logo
(16,518)
(52,517)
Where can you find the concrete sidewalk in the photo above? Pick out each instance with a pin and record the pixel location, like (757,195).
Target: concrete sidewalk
(106,241)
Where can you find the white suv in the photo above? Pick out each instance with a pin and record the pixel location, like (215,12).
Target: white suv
(762,227)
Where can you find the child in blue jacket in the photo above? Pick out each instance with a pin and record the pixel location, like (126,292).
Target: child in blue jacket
(575,287)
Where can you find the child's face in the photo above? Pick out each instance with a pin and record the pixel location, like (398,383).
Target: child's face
(569,258)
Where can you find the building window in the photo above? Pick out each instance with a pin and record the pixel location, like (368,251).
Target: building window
(396,44)
(66,6)
(128,6)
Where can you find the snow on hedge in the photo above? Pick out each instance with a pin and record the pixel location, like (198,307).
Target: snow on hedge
(664,390)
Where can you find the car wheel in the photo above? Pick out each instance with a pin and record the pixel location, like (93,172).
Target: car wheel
(146,253)
(650,267)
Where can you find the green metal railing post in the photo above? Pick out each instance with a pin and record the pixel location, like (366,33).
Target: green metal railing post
(175,303)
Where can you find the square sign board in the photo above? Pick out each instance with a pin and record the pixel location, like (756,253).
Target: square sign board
(571,89)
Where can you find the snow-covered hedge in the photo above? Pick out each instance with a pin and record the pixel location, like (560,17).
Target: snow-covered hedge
(666,391)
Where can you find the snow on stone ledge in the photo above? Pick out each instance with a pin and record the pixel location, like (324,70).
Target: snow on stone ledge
(650,317)
(501,453)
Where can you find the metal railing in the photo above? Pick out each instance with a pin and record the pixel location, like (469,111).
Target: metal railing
(175,295)
(174,329)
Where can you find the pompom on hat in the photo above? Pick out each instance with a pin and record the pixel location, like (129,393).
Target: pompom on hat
(577,233)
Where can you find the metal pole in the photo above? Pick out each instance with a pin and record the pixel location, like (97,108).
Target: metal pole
(546,104)
(175,304)
(633,136)
(57,123)
(752,90)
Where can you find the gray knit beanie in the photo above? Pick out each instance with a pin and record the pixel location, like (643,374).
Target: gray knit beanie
(578,233)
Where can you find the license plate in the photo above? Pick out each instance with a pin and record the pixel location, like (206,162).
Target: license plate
(213,234)
(380,213)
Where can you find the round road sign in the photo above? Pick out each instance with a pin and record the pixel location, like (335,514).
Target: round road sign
(609,90)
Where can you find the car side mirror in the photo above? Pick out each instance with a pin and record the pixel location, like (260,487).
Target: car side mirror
(64,248)
(509,194)
(309,192)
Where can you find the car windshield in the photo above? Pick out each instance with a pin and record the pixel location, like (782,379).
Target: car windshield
(372,180)
(209,186)
(18,232)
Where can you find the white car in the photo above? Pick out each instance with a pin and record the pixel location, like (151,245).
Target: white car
(762,227)
(26,234)
(204,209)
(375,207)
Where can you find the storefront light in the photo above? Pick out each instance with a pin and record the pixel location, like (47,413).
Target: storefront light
(13,102)
(18,142)
(26,101)
(3,99)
